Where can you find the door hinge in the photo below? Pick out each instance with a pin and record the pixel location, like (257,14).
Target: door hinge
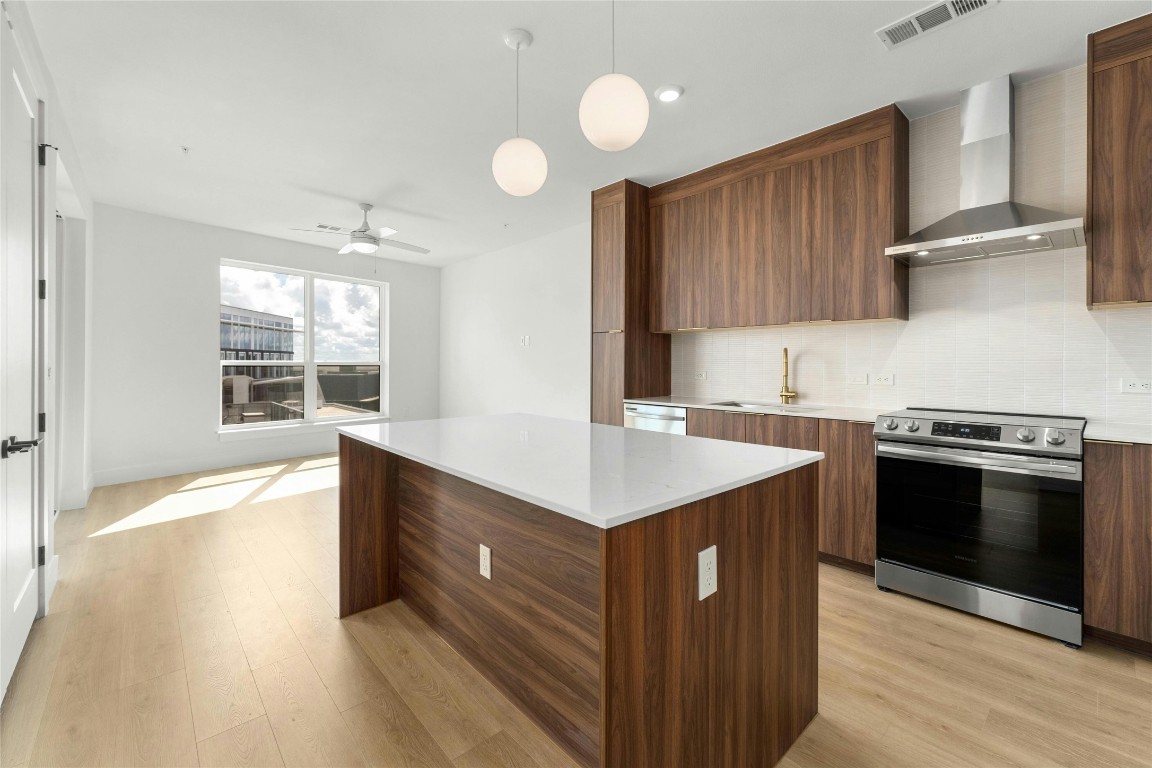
(40,556)
(43,157)
(43,289)
(43,423)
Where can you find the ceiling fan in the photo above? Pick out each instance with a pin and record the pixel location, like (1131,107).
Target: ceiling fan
(364,239)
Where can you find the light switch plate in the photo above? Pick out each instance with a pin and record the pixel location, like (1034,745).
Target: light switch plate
(857,379)
(485,562)
(706,572)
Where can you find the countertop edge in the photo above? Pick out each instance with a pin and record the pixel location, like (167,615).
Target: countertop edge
(834,412)
(809,457)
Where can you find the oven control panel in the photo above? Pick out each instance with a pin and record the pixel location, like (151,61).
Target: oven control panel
(967,431)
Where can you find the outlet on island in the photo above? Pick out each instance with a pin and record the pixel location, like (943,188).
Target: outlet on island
(485,562)
(706,571)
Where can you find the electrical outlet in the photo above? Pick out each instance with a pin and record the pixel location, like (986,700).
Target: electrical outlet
(485,562)
(1136,386)
(706,571)
(883,379)
(857,379)
(525,341)
(702,374)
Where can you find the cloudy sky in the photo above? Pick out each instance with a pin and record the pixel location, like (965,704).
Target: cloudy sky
(347,314)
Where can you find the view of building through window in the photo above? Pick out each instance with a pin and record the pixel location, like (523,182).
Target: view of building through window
(272,356)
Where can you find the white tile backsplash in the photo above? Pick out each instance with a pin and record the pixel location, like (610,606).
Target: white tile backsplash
(1007,334)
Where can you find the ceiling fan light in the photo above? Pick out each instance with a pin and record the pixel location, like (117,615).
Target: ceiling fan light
(364,247)
(613,112)
(519,166)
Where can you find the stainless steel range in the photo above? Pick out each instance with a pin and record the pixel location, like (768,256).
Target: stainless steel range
(984,512)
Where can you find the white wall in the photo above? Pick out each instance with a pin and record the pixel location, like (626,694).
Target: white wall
(540,289)
(74,315)
(1009,334)
(155,387)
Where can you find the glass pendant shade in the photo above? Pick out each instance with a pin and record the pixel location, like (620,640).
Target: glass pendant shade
(614,112)
(519,166)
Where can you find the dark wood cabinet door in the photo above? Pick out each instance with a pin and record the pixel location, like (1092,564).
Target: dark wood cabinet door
(812,290)
(1118,538)
(667,304)
(796,432)
(1120,182)
(729,296)
(608,268)
(770,242)
(860,228)
(848,490)
(608,378)
(695,260)
(719,425)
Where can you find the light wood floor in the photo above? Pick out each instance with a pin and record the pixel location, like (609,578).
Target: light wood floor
(212,640)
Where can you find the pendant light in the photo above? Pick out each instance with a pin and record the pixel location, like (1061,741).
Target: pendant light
(614,108)
(519,165)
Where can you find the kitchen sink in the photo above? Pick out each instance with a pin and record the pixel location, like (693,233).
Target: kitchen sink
(766,406)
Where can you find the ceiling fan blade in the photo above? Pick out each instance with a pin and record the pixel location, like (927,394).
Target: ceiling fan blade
(320,231)
(381,231)
(345,249)
(329,228)
(404,246)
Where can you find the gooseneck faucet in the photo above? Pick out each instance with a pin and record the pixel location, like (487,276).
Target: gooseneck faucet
(786,394)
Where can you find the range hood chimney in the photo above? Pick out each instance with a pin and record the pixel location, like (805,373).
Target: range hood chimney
(989,223)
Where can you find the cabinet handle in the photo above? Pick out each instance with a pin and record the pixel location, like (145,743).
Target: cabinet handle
(1108,442)
(869,423)
(620,330)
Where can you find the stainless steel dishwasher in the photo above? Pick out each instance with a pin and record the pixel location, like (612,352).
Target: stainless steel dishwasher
(656,418)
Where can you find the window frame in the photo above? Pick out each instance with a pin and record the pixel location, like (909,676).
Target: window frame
(310,364)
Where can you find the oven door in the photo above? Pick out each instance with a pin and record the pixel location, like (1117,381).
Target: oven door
(1006,522)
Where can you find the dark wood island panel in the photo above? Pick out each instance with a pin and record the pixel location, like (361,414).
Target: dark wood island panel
(597,634)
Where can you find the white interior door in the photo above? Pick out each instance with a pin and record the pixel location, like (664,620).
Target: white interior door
(18,379)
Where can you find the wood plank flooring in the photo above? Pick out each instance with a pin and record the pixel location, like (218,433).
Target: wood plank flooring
(194,624)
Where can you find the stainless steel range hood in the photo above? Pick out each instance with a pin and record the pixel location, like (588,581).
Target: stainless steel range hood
(988,223)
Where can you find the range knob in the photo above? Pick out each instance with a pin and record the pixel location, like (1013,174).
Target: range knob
(1054,437)
(1025,435)
(911,425)
(891,423)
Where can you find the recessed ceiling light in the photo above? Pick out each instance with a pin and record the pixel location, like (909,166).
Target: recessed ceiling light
(1034,237)
(668,93)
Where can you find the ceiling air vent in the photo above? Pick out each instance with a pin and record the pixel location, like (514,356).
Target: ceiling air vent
(932,17)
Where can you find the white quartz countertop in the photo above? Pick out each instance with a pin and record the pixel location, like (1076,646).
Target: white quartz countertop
(598,474)
(838,412)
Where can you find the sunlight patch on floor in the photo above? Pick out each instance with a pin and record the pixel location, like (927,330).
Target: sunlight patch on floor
(184,504)
(301,482)
(329,461)
(232,477)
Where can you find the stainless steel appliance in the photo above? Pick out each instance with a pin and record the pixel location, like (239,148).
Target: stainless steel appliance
(656,418)
(984,512)
(988,223)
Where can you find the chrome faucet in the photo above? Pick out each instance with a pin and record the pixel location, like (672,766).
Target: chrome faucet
(786,394)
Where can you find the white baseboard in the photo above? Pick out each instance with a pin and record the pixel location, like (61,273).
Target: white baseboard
(220,460)
(51,577)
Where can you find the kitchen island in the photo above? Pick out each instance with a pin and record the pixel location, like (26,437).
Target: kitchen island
(589,618)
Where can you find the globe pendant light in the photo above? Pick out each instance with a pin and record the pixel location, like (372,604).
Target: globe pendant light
(614,108)
(519,165)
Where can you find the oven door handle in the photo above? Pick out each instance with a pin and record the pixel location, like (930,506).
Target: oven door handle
(1030,465)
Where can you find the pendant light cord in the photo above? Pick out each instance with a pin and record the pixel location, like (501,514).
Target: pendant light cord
(517,90)
(613,35)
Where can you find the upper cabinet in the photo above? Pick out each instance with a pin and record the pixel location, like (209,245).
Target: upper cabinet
(1119,210)
(792,233)
(627,359)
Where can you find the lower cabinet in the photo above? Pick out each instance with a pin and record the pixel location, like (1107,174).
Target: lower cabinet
(608,379)
(848,490)
(847,473)
(785,431)
(719,425)
(1118,538)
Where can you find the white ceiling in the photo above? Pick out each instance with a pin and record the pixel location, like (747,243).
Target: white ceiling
(296,111)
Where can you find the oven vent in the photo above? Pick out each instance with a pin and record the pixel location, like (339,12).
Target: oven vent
(933,17)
